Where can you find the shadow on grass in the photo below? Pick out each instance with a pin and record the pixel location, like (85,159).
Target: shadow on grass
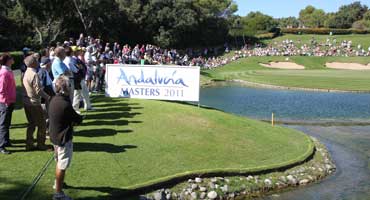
(107,108)
(10,189)
(18,126)
(17,145)
(116,108)
(203,73)
(116,104)
(113,193)
(104,132)
(113,115)
(194,104)
(20,141)
(102,98)
(106,123)
(100,147)
(109,123)
(111,104)
(15,148)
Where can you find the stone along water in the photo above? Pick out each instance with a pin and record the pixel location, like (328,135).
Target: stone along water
(349,146)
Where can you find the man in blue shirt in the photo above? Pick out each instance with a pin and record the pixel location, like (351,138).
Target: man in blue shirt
(58,67)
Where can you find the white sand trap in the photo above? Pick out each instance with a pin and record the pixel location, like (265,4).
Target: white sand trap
(283,65)
(351,66)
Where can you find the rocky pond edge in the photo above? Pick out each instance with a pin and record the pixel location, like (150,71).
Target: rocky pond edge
(249,186)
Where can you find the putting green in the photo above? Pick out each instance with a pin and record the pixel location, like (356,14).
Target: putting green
(129,144)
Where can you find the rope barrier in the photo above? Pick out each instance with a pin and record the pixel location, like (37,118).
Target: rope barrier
(36,179)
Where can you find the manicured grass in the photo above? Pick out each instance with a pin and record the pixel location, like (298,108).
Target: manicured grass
(314,76)
(126,144)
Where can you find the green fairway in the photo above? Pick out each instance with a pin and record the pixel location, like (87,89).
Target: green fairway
(315,74)
(126,144)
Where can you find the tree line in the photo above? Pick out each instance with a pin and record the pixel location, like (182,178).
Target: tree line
(167,23)
(354,15)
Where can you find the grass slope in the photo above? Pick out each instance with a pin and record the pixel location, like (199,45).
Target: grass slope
(314,76)
(126,144)
(356,39)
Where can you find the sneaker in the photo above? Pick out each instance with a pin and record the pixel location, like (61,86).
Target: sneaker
(4,151)
(61,196)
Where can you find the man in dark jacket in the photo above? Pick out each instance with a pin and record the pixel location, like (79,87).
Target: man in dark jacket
(62,117)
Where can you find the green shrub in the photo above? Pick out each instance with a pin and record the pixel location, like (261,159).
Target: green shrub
(18,59)
(266,36)
(359,31)
(323,31)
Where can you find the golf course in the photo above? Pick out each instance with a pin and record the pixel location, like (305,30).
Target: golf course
(315,74)
(129,144)
(184,100)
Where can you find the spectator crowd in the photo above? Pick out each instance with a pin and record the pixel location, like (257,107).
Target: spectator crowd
(297,48)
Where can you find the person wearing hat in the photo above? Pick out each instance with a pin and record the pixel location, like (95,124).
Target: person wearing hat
(47,85)
(44,74)
(23,68)
(33,92)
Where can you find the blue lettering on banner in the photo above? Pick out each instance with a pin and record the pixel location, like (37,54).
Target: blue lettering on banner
(157,80)
(127,92)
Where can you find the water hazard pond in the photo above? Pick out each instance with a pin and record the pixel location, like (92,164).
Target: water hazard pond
(349,145)
(288,104)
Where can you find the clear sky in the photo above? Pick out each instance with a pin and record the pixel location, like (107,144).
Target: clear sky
(286,8)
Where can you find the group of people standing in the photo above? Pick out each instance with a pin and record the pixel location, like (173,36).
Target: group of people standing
(52,91)
(38,77)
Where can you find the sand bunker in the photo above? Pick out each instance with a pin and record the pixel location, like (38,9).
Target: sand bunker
(283,65)
(351,66)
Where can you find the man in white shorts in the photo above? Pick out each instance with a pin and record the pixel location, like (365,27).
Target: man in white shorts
(62,117)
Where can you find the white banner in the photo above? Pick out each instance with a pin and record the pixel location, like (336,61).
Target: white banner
(153,82)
